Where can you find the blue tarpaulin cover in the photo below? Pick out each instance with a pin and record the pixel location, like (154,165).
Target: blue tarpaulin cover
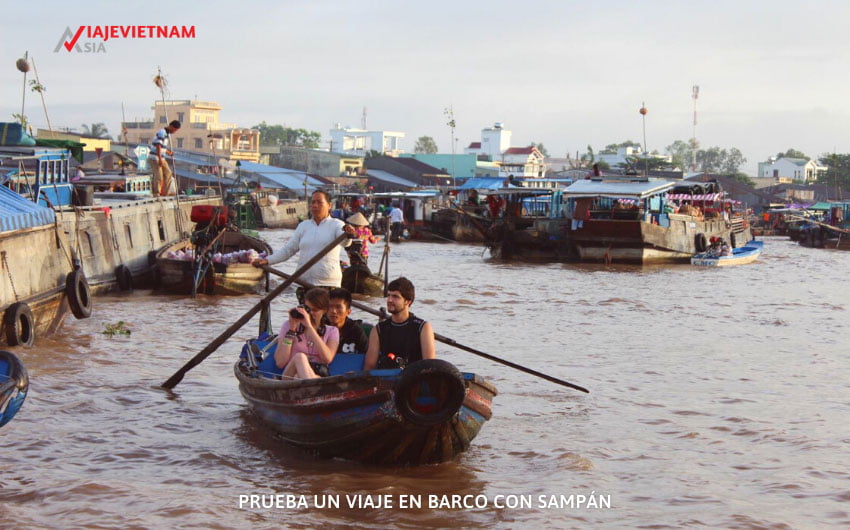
(17,212)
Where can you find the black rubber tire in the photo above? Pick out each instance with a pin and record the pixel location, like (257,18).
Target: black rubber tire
(79,294)
(700,242)
(152,257)
(124,277)
(19,324)
(443,378)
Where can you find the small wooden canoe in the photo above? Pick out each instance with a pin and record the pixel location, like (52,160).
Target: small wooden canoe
(425,414)
(14,384)
(740,256)
(208,275)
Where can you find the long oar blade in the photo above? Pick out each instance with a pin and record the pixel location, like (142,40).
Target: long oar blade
(446,340)
(221,339)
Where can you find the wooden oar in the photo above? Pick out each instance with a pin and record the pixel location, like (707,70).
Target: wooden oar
(218,341)
(444,340)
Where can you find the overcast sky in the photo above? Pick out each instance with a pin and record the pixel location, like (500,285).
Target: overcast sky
(773,75)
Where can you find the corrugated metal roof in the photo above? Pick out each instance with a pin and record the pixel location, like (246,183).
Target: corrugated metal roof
(389,177)
(595,188)
(16,212)
(483,183)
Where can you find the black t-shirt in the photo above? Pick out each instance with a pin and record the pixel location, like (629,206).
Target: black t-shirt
(401,339)
(352,338)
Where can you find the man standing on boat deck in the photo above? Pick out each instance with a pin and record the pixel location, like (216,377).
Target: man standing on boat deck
(311,236)
(161,173)
(403,335)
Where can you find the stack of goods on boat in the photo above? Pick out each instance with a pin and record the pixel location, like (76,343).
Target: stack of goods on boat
(216,259)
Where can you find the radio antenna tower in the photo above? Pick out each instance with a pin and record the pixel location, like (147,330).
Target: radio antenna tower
(695,95)
(363,119)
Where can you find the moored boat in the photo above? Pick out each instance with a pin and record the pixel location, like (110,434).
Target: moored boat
(740,256)
(14,384)
(425,414)
(222,267)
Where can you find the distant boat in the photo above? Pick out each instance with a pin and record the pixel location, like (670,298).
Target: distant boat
(13,386)
(425,414)
(178,270)
(740,256)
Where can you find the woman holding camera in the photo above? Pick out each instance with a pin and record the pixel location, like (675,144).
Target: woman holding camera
(305,345)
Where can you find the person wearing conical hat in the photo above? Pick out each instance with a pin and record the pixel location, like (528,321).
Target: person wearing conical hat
(363,233)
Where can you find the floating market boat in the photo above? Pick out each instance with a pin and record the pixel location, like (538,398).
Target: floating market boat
(740,256)
(211,261)
(13,386)
(425,414)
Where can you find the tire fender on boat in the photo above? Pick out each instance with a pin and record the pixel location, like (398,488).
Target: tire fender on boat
(700,242)
(19,324)
(124,277)
(429,392)
(152,257)
(79,294)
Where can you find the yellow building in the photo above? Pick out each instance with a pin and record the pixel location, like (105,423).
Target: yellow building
(200,130)
(92,143)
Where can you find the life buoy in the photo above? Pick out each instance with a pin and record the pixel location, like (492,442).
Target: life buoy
(429,392)
(732,239)
(79,294)
(19,324)
(700,242)
(124,277)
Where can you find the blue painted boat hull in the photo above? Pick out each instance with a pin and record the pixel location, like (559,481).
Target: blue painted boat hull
(362,416)
(14,384)
(740,256)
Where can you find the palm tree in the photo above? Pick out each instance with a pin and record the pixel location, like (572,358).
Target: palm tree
(97,130)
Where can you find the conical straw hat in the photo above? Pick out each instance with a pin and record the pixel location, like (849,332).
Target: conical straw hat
(358,219)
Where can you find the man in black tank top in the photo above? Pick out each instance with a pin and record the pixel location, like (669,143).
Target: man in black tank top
(403,335)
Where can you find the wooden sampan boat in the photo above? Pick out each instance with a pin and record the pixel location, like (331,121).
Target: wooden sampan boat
(14,384)
(425,414)
(210,278)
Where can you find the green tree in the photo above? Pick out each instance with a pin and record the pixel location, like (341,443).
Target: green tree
(281,135)
(792,153)
(612,148)
(426,145)
(721,161)
(96,130)
(540,148)
(681,153)
(23,120)
(838,171)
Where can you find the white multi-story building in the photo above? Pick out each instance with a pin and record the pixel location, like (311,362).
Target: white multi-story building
(359,142)
(626,154)
(495,140)
(789,169)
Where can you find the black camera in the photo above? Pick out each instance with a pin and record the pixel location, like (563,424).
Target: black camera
(295,314)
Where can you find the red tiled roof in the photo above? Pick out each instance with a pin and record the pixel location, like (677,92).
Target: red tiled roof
(519,150)
(475,145)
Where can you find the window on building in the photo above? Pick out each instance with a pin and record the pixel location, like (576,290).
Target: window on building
(162,119)
(179,143)
(144,140)
(180,116)
(199,144)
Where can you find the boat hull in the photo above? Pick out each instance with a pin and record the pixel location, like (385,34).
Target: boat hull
(355,416)
(283,214)
(741,256)
(178,276)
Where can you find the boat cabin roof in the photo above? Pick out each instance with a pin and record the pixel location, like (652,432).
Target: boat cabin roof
(418,194)
(614,189)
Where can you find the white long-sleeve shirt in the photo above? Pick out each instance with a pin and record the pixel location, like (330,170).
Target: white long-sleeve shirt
(309,238)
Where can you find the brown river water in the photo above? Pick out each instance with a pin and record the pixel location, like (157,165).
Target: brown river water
(719,398)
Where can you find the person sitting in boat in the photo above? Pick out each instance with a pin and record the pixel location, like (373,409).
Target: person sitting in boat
(403,336)
(714,247)
(363,233)
(305,345)
(725,248)
(352,338)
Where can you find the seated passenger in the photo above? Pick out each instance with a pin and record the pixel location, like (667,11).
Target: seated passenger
(725,249)
(402,336)
(352,338)
(305,345)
